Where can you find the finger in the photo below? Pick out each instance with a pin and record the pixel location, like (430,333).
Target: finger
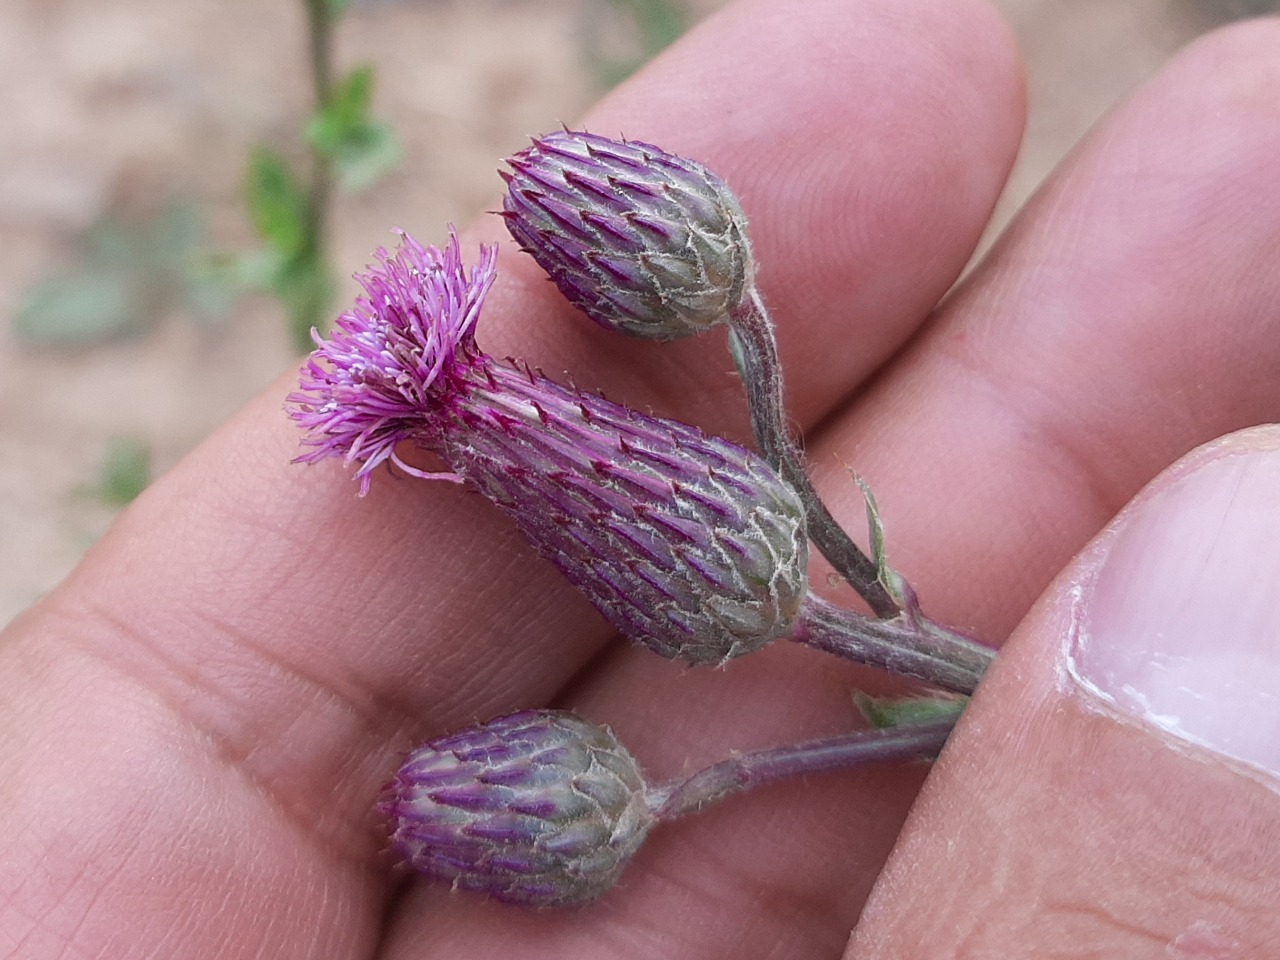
(976,487)
(1113,790)
(260,639)
(1125,318)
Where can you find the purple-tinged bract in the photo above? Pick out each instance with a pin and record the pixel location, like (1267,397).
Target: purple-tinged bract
(539,808)
(687,543)
(639,239)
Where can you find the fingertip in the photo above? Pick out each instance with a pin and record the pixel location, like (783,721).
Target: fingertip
(1176,630)
(1118,795)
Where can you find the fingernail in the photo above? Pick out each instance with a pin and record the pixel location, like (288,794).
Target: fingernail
(1179,627)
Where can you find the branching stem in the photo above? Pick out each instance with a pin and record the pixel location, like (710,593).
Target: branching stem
(903,640)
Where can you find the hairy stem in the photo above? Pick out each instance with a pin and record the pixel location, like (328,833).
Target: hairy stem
(907,646)
(748,771)
(762,378)
(903,640)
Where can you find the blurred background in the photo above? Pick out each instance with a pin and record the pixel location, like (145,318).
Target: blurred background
(167,172)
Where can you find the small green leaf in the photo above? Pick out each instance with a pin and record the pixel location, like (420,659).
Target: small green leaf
(876,526)
(369,152)
(362,149)
(354,95)
(80,307)
(306,287)
(347,108)
(125,471)
(337,7)
(882,712)
(890,579)
(277,202)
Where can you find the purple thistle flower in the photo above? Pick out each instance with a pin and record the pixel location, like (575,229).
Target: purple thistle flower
(539,808)
(367,387)
(685,542)
(637,238)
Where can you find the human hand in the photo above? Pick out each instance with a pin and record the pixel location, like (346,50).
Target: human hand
(196,724)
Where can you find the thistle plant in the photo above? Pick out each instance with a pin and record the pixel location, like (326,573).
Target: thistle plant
(686,543)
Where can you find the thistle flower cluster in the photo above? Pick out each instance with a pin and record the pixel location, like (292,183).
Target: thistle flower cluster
(693,546)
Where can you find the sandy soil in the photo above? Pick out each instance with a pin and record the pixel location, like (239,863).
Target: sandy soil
(109,106)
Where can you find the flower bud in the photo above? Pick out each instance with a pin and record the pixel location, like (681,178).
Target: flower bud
(640,240)
(540,808)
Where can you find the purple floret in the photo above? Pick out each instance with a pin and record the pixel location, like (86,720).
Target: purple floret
(368,386)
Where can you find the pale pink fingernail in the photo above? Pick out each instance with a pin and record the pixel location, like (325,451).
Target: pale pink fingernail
(1180,626)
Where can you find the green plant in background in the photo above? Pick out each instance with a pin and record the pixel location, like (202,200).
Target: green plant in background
(290,210)
(130,272)
(644,27)
(124,472)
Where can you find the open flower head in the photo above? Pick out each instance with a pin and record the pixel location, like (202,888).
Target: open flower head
(367,385)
